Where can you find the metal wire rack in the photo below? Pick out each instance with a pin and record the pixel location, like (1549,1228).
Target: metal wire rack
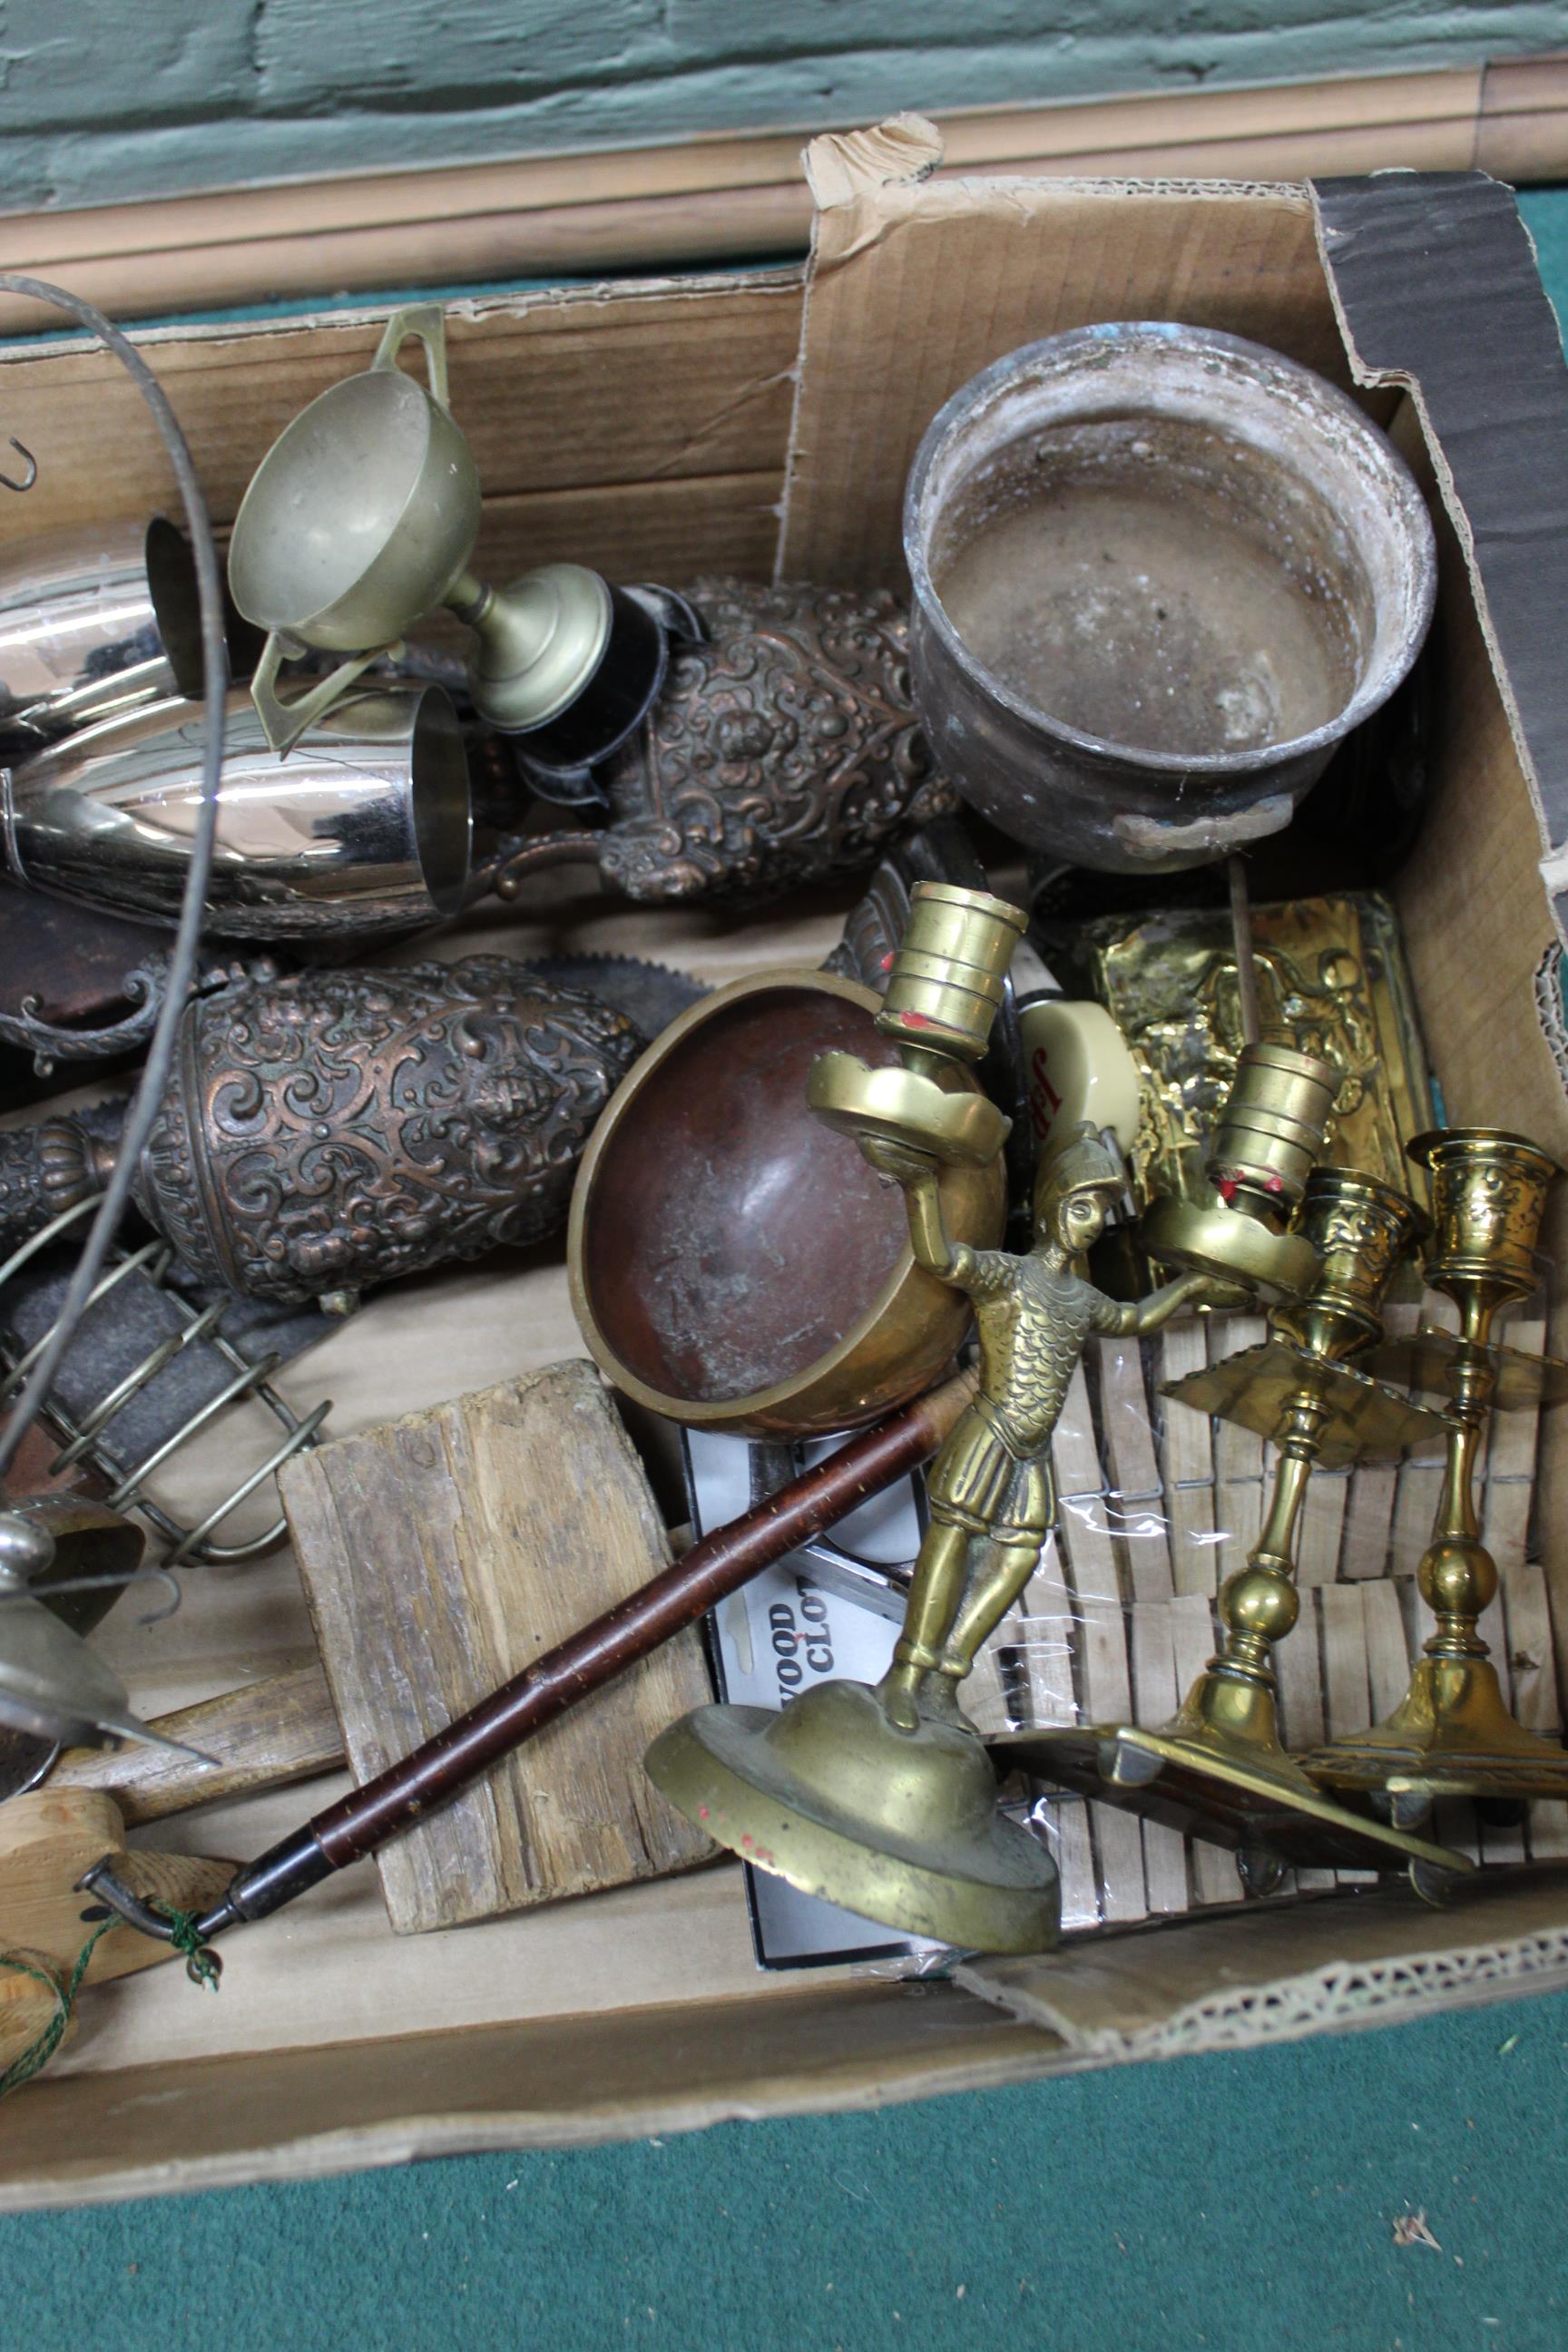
(84,1430)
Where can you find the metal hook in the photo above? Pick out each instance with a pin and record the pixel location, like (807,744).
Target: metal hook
(5,481)
(157,1616)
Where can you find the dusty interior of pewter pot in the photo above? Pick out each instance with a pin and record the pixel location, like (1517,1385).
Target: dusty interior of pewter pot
(733,1240)
(1157,583)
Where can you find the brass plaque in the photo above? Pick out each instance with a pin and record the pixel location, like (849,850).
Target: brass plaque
(1332,980)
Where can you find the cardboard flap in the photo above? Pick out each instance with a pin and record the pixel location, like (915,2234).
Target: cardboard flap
(916,283)
(1274,1972)
(1434,274)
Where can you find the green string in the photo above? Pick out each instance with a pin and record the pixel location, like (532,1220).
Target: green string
(36,2055)
(202,1966)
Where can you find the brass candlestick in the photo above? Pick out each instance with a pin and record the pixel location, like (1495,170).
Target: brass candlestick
(885,1801)
(1217,1770)
(1452,1734)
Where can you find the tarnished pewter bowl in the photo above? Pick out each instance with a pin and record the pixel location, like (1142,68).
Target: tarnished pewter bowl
(1159,574)
(735,1263)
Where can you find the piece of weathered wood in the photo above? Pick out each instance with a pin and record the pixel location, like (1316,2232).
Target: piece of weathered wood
(1369,1519)
(1214,1878)
(1104,1687)
(1321,1531)
(1238,1466)
(1303,1720)
(279,1728)
(48,1838)
(1137,1514)
(440,1554)
(1534,1668)
(1053,1698)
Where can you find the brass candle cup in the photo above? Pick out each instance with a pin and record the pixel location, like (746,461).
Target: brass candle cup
(1263,1147)
(1488,1195)
(1452,1734)
(944,989)
(1360,1229)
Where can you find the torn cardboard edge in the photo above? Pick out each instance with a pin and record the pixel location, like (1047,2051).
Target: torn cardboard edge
(1279,1975)
(1386,246)
(369,316)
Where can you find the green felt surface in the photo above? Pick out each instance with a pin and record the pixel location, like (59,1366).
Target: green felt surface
(1219,2204)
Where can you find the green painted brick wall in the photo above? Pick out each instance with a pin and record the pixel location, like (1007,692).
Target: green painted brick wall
(103,100)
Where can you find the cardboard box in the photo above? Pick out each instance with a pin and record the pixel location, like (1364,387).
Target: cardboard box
(658,429)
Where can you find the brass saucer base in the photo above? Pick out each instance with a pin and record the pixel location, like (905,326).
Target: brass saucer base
(1215,1239)
(1451,1736)
(1217,1772)
(1357,1419)
(1428,1361)
(900,1827)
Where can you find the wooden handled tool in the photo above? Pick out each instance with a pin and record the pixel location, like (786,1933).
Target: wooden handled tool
(281,1728)
(554,1682)
(48,1838)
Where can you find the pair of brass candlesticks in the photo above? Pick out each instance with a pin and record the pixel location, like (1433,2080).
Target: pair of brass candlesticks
(1218,1770)
(885,1801)
(1453,1735)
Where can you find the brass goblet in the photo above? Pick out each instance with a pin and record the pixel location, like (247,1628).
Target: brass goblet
(1217,1770)
(1452,1734)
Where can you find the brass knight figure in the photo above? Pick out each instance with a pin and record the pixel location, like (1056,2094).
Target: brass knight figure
(991,1493)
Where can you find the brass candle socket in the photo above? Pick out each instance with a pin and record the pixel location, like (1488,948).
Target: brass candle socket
(1218,1771)
(945,987)
(1452,1734)
(1264,1146)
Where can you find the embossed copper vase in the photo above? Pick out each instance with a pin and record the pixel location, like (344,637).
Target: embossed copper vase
(783,750)
(337,1128)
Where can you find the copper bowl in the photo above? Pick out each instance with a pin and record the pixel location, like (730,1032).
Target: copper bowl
(734,1263)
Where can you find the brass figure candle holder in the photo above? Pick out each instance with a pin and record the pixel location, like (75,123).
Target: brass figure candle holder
(1452,1734)
(1218,1771)
(884,1801)
(1264,1147)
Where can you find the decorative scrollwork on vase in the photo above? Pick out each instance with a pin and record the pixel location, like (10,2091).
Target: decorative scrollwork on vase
(339,1129)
